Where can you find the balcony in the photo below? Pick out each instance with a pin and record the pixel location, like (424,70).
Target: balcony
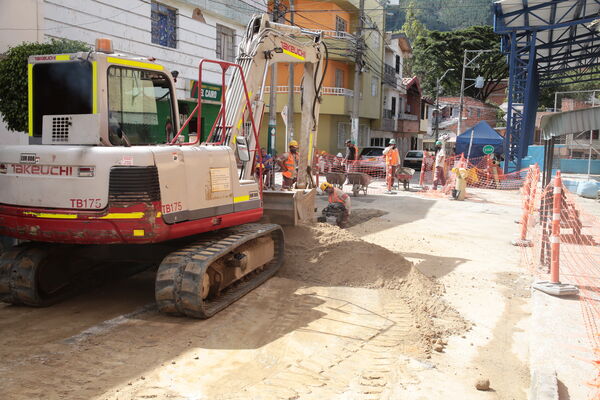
(408,117)
(390,77)
(335,100)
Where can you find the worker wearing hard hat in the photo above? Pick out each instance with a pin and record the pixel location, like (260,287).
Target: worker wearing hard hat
(338,196)
(439,177)
(288,162)
(392,160)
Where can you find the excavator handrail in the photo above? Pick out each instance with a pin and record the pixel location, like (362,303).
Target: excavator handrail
(225,65)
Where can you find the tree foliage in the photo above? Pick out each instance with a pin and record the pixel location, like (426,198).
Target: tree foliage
(435,52)
(441,15)
(13,77)
(412,28)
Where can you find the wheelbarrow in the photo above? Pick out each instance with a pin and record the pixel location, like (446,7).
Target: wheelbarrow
(404,174)
(359,181)
(337,179)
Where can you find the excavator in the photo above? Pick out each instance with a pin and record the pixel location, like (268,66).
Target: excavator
(109,183)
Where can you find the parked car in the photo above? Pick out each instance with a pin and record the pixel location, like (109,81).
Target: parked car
(372,161)
(413,159)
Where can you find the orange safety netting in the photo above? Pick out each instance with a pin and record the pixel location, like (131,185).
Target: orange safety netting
(572,242)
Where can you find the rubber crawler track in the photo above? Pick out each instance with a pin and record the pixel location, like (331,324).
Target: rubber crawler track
(179,277)
(18,279)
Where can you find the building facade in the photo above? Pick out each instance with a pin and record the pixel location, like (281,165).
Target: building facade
(177,33)
(338,21)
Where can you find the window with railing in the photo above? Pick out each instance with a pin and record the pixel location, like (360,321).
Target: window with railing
(164,25)
(339,78)
(225,43)
(340,24)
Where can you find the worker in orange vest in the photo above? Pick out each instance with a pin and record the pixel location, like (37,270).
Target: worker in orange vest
(392,160)
(288,162)
(337,196)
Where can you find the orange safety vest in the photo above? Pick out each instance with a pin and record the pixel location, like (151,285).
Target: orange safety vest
(290,164)
(392,157)
(337,196)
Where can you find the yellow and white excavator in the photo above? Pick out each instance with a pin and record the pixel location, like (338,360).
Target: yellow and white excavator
(109,179)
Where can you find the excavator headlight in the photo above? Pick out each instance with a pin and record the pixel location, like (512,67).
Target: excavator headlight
(85,172)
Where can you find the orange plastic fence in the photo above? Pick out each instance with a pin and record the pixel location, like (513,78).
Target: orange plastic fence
(566,247)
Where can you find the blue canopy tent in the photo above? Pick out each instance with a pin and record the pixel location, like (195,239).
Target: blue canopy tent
(483,135)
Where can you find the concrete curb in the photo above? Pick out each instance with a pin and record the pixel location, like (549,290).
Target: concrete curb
(544,383)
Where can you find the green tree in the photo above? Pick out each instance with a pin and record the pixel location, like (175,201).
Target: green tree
(435,52)
(412,28)
(13,77)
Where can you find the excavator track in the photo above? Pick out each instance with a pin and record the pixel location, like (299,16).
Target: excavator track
(27,276)
(42,274)
(184,285)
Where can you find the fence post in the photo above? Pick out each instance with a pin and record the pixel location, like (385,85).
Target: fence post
(554,287)
(555,237)
(422,174)
(523,241)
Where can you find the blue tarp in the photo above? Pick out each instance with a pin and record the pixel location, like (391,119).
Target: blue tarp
(483,135)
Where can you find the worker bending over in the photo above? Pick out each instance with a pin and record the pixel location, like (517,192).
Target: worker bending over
(288,162)
(392,160)
(337,198)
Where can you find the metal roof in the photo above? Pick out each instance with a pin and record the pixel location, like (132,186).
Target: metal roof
(566,40)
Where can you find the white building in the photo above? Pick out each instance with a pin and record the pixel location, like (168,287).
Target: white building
(178,33)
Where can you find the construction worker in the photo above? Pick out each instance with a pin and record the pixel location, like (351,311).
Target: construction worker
(338,196)
(439,177)
(288,163)
(351,155)
(392,160)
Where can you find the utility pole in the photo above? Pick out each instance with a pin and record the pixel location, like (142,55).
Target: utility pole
(467,64)
(272,96)
(290,124)
(358,62)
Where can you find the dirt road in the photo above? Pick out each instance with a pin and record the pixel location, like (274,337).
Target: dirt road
(347,317)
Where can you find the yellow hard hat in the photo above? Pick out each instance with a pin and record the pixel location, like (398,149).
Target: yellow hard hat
(325,185)
(293,143)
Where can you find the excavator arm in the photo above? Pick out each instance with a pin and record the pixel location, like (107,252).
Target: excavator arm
(264,44)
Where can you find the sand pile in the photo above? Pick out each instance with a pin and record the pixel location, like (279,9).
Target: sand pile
(323,254)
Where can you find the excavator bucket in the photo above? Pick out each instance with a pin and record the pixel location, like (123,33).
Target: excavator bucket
(289,208)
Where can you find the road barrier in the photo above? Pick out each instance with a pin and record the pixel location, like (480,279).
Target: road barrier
(565,245)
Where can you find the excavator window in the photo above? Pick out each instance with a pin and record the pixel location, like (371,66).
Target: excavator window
(60,88)
(140,107)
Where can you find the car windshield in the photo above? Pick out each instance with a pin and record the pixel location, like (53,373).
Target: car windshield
(414,154)
(371,152)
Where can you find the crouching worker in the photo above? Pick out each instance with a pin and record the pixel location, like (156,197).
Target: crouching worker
(339,205)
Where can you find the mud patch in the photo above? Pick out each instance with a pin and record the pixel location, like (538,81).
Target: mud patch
(326,255)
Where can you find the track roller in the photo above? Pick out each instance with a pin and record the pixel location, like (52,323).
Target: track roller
(205,277)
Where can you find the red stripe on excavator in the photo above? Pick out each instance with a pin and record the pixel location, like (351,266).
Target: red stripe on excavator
(92,227)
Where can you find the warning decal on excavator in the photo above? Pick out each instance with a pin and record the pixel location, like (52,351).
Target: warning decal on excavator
(220,180)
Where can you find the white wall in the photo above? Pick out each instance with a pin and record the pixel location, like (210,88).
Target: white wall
(20,21)
(128,24)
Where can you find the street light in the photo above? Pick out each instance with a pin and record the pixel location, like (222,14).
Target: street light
(437,102)
(479,82)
